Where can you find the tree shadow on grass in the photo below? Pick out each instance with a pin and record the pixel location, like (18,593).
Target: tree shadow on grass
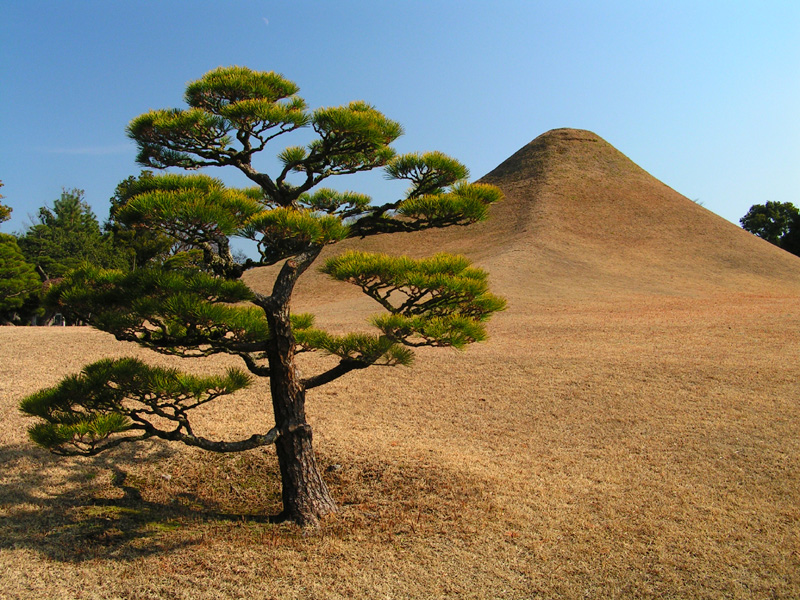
(161,499)
(121,506)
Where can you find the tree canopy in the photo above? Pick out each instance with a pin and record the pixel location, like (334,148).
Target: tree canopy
(776,222)
(5,211)
(65,237)
(136,246)
(194,303)
(18,278)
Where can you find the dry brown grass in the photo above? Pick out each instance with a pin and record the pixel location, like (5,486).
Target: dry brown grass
(628,432)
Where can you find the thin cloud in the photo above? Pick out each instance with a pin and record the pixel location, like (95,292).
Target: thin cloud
(266,20)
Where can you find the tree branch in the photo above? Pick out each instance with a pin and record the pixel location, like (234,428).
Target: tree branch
(343,368)
(289,273)
(254,441)
(252,366)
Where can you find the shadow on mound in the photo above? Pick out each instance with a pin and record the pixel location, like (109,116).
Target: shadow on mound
(129,504)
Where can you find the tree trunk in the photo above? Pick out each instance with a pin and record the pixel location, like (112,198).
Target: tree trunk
(305,496)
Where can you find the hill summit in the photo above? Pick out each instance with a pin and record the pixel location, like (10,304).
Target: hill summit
(588,214)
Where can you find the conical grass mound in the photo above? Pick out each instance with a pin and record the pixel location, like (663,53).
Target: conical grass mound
(581,220)
(591,218)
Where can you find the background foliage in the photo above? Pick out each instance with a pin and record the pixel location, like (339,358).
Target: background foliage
(776,222)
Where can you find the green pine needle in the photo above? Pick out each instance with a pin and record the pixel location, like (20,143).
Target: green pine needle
(429,173)
(438,301)
(225,86)
(109,396)
(364,348)
(284,227)
(331,201)
(171,311)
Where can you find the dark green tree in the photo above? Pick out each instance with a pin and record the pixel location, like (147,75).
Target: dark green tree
(5,211)
(19,284)
(791,239)
(176,308)
(137,245)
(18,278)
(776,222)
(65,237)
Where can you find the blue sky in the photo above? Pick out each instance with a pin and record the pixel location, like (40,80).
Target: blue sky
(703,95)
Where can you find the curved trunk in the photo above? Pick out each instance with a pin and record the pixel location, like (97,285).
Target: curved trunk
(305,496)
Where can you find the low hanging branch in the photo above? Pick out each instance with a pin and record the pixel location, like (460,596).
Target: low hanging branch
(114,401)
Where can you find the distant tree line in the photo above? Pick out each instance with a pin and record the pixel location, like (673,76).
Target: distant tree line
(69,235)
(64,237)
(776,222)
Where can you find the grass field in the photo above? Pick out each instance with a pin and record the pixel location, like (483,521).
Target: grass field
(644,450)
(630,430)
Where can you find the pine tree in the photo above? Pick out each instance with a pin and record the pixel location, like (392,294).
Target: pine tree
(5,211)
(18,279)
(189,308)
(135,245)
(65,237)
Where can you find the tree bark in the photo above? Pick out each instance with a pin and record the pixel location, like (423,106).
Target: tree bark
(306,498)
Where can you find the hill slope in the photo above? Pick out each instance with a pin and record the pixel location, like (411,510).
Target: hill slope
(588,216)
(581,220)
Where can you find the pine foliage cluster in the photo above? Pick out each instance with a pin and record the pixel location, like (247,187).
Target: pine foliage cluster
(440,301)
(122,397)
(186,312)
